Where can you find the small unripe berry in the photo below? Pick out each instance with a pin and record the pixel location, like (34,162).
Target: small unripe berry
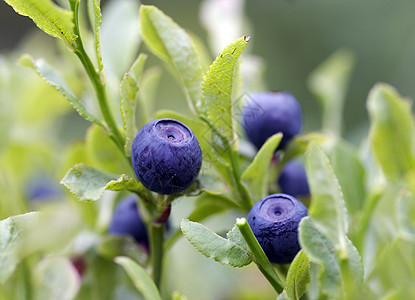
(274,221)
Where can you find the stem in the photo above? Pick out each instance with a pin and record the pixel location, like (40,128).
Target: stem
(157,250)
(96,81)
(259,256)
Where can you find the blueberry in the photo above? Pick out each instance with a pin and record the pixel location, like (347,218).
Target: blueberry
(127,221)
(43,189)
(267,113)
(274,221)
(166,156)
(293,180)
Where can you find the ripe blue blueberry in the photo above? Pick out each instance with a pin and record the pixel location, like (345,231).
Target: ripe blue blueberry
(127,221)
(274,221)
(43,189)
(293,180)
(267,113)
(166,156)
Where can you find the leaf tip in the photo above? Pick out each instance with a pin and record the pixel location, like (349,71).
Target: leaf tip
(246,38)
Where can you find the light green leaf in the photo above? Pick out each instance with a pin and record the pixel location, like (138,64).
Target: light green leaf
(329,83)
(171,43)
(256,174)
(213,246)
(320,249)
(129,90)
(95,18)
(49,17)
(351,175)
(10,236)
(178,296)
(217,88)
(327,209)
(139,277)
(283,296)
(104,154)
(55,79)
(392,131)
(88,184)
(236,236)
(405,215)
(119,37)
(298,276)
(55,278)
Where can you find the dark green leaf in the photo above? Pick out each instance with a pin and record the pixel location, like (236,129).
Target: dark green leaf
(213,246)
(139,277)
(171,43)
(55,79)
(392,131)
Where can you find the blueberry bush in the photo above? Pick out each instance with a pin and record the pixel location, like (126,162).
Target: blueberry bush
(138,197)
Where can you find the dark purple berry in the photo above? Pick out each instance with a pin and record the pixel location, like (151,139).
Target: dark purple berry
(127,221)
(267,113)
(166,156)
(274,221)
(293,180)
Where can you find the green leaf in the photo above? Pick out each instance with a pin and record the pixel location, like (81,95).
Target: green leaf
(351,175)
(329,83)
(178,296)
(139,277)
(392,131)
(217,88)
(327,209)
(298,276)
(320,249)
(88,184)
(256,174)
(113,246)
(119,36)
(95,18)
(299,144)
(405,215)
(55,79)
(213,246)
(129,90)
(171,43)
(55,278)
(49,17)
(147,95)
(10,236)
(104,154)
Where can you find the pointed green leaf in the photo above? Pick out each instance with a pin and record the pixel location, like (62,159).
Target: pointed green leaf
(10,236)
(88,184)
(213,246)
(95,17)
(298,276)
(329,83)
(327,209)
(55,278)
(49,17)
(139,277)
(256,174)
(392,130)
(319,249)
(55,79)
(171,43)
(129,90)
(217,88)
(147,95)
